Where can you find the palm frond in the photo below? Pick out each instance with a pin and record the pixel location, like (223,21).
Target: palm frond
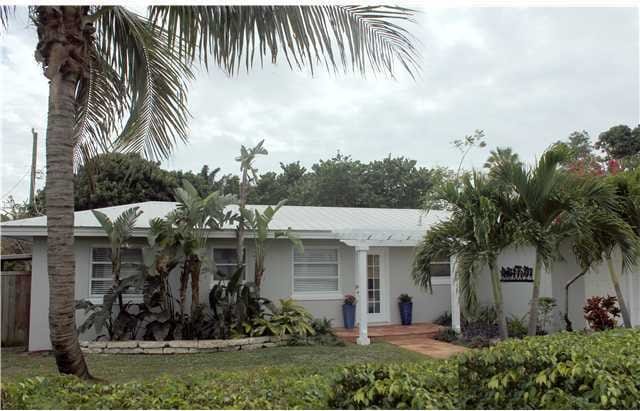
(6,12)
(101,103)
(155,79)
(351,37)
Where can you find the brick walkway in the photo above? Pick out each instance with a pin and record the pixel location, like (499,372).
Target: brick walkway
(416,337)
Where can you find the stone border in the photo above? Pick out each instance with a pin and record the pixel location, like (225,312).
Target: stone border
(180,346)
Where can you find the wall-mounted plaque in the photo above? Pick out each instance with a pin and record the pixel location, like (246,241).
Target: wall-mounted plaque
(516,274)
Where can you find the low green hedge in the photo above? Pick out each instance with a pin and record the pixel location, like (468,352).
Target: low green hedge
(266,388)
(398,386)
(565,370)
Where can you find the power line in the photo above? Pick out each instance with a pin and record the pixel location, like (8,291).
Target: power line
(16,184)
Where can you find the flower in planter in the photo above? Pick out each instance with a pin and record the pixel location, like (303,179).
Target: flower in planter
(349,299)
(405,298)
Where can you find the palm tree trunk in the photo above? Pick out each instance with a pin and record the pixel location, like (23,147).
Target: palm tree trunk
(242,202)
(615,279)
(195,283)
(535,295)
(498,302)
(569,326)
(59,192)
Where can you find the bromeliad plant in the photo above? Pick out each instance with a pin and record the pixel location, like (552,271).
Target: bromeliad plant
(288,319)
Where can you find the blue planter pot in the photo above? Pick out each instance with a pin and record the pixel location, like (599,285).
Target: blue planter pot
(406,310)
(349,315)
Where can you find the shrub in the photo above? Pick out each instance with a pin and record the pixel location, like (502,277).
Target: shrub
(564,370)
(444,319)
(601,312)
(446,334)
(288,319)
(417,386)
(263,389)
(516,327)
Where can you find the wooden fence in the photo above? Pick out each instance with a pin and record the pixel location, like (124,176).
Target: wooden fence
(16,303)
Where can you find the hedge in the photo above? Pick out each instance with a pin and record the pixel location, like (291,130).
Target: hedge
(565,370)
(268,388)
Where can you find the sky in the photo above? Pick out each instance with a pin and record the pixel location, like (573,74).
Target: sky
(527,77)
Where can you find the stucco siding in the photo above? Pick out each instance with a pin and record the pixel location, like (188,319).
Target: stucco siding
(426,306)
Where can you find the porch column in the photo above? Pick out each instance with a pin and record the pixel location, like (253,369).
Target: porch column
(363,297)
(455,298)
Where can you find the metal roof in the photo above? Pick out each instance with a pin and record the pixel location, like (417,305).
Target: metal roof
(372,224)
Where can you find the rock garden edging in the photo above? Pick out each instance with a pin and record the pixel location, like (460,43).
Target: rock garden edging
(180,346)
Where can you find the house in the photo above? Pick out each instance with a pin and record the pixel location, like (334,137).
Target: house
(345,249)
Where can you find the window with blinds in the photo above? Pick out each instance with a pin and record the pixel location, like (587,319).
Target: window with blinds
(101,273)
(315,270)
(226,261)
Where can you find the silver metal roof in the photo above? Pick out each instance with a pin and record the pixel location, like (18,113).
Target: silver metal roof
(365,224)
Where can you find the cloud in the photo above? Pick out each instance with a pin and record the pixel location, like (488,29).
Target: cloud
(526,76)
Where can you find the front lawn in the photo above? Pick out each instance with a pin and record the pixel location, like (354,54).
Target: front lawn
(123,368)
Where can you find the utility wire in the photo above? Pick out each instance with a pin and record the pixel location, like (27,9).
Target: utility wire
(16,184)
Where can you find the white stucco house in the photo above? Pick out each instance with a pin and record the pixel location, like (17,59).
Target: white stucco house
(345,251)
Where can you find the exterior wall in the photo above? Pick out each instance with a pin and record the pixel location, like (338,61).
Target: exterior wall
(426,306)
(39,316)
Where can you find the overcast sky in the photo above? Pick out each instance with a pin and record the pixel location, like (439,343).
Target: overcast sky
(526,76)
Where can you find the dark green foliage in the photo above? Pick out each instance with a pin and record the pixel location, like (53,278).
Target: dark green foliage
(447,334)
(620,141)
(443,319)
(517,327)
(405,298)
(114,179)
(564,370)
(267,388)
(417,386)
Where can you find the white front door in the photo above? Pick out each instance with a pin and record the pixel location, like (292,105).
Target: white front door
(378,285)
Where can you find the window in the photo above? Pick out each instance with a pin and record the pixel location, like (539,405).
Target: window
(440,269)
(101,273)
(226,261)
(315,270)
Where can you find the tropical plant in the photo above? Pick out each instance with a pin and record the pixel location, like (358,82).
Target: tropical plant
(546,306)
(476,233)
(288,319)
(248,176)
(106,62)
(258,222)
(537,204)
(349,299)
(601,312)
(234,305)
(193,218)
(118,232)
(405,298)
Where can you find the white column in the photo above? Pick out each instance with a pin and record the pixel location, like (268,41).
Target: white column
(455,298)
(363,300)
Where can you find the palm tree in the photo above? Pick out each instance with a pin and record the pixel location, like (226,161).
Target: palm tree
(537,205)
(476,234)
(118,232)
(105,63)
(249,175)
(501,155)
(258,222)
(627,187)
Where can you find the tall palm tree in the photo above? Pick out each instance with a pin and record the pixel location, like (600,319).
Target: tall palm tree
(627,187)
(105,63)
(118,232)
(476,234)
(537,199)
(249,175)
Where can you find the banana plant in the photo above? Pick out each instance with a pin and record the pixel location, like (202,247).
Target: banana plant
(258,222)
(118,231)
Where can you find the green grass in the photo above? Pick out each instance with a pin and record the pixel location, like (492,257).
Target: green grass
(124,368)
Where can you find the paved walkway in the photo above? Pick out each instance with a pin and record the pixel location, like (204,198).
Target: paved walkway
(416,337)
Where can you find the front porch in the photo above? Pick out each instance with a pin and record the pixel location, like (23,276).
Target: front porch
(415,337)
